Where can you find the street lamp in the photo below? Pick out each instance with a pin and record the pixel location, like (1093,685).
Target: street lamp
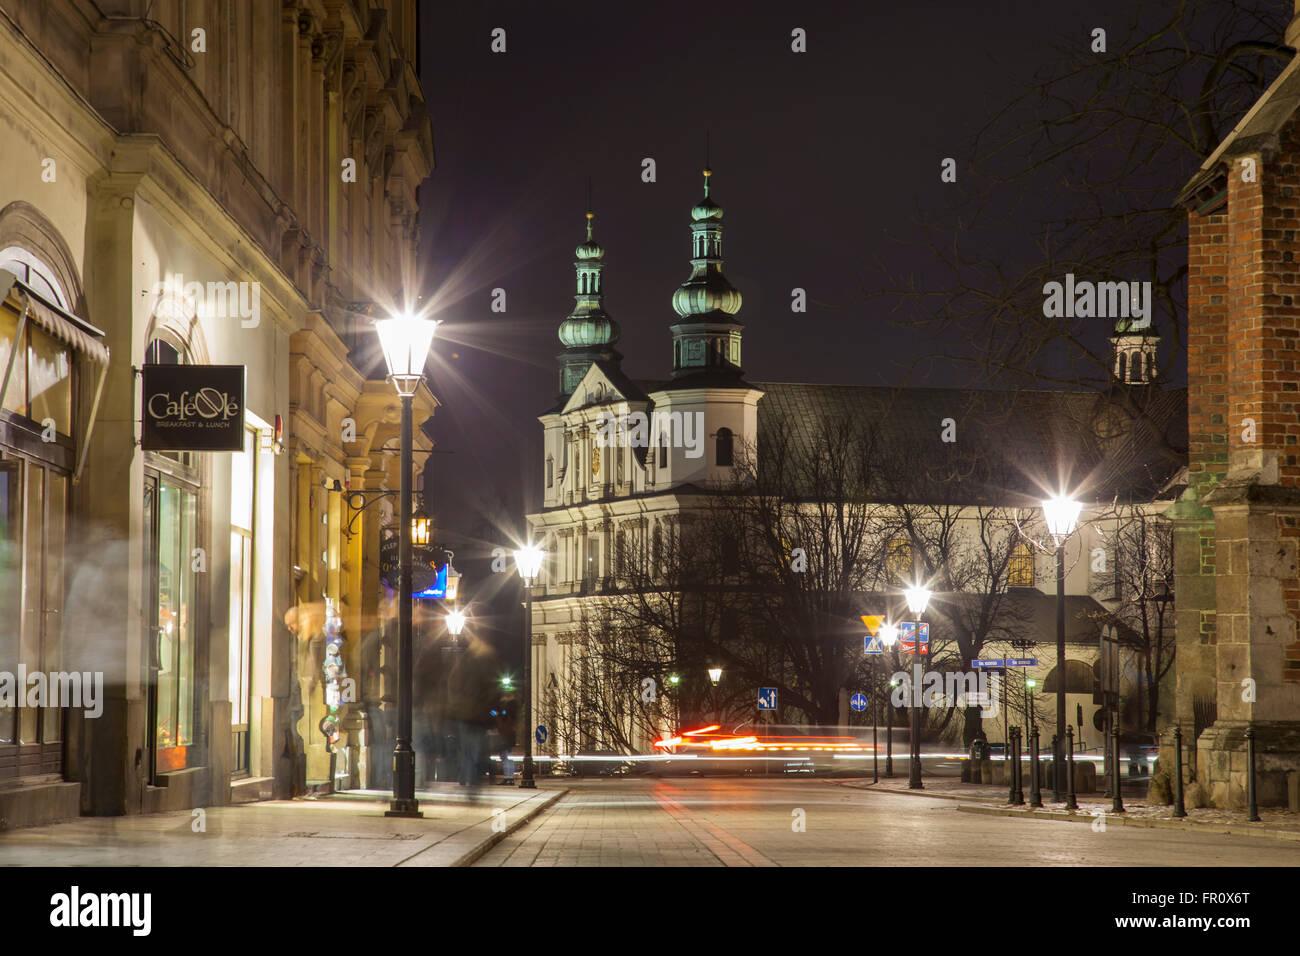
(715,675)
(1062,515)
(889,637)
(528,561)
(405,341)
(455,624)
(918,598)
(420,528)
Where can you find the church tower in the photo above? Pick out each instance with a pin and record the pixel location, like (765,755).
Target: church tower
(707,339)
(1135,354)
(588,334)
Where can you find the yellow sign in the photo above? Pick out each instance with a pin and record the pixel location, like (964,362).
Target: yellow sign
(873,622)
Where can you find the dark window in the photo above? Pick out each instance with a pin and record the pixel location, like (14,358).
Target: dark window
(663,451)
(1123,367)
(550,471)
(723,450)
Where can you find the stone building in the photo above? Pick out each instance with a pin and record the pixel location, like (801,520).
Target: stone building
(192,184)
(604,500)
(1238,524)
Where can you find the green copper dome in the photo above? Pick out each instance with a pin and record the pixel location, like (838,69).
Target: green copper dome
(707,289)
(591,249)
(589,325)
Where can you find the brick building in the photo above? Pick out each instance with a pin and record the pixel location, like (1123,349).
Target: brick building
(1238,524)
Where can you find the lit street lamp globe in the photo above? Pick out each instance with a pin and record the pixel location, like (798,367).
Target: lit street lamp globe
(528,560)
(889,634)
(918,597)
(405,341)
(455,622)
(1062,516)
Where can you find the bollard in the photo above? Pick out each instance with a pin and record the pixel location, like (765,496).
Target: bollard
(1250,776)
(1071,803)
(1117,801)
(1011,774)
(1035,786)
(1056,770)
(1020,773)
(1179,809)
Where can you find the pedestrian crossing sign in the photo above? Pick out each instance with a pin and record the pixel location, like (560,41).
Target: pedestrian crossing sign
(873,645)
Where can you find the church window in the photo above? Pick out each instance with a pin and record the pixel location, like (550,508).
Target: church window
(663,450)
(550,470)
(1123,367)
(898,561)
(723,448)
(1020,568)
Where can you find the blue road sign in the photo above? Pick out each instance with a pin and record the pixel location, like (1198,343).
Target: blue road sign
(873,645)
(858,702)
(992,662)
(767,698)
(540,734)
(907,631)
(1022,662)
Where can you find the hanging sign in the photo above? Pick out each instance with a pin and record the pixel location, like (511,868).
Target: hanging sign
(193,408)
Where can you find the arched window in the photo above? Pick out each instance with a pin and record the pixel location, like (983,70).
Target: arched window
(723,448)
(1122,373)
(35,273)
(663,450)
(677,355)
(1138,367)
(1020,567)
(550,470)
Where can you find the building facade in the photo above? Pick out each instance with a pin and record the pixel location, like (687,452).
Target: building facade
(1239,520)
(190,185)
(610,497)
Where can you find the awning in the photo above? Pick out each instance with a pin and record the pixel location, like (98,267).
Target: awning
(64,326)
(80,335)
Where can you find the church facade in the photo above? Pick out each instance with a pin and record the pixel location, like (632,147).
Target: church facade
(627,462)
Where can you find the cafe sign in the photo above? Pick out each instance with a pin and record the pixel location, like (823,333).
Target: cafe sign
(193,408)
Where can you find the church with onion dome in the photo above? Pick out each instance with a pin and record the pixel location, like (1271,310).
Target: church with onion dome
(625,458)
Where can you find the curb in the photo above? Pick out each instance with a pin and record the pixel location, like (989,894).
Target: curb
(1127,821)
(468,859)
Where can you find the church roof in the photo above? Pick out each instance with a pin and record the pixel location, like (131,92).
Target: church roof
(1010,445)
(1256,131)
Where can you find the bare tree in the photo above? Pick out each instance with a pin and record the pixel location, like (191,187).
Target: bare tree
(1096,146)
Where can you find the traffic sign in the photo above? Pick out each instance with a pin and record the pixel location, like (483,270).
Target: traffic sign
(873,645)
(907,637)
(540,734)
(767,698)
(990,662)
(858,702)
(873,622)
(1022,662)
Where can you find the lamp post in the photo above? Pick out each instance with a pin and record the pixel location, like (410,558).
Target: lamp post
(455,624)
(715,677)
(918,598)
(528,560)
(405,341)
(1062,515)
(889,637)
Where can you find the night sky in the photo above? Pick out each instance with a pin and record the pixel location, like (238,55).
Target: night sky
(825,162)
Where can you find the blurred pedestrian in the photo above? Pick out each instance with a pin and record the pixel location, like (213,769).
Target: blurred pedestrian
(471,694)
(505,728)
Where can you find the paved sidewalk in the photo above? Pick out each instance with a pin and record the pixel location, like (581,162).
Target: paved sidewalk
(346,829)
(992,799)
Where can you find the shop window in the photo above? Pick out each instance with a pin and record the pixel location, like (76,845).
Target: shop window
(242,513)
